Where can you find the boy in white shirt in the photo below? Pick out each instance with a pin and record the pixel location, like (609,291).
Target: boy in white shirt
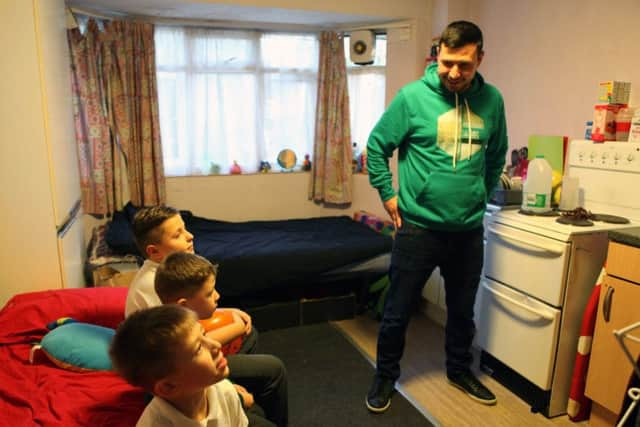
(160,231)
(165,351)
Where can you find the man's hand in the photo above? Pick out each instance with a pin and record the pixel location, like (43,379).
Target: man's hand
(391,206)
(247,398)
(245,318)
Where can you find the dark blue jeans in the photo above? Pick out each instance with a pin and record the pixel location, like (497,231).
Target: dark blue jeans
(416,252)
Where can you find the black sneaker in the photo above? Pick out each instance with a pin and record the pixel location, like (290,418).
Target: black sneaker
(468,383)
(379,397)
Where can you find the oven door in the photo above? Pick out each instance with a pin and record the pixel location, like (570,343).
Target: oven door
(519,331)
(531,263)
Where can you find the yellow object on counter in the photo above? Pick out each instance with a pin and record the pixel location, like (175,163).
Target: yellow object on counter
(557,192)
(556,178)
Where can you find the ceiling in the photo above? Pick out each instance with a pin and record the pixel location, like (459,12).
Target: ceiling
(218,12)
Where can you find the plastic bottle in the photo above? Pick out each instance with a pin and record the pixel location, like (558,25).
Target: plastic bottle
(536,190)
(588,129)
(355,152)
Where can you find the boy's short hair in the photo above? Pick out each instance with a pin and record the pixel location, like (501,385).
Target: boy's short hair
(181,275)
(143,350)
(146,225)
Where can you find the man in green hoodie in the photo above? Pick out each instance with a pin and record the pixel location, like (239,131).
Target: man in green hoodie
(450,131)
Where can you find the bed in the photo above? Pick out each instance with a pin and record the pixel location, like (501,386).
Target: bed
(41,393)
(263,261)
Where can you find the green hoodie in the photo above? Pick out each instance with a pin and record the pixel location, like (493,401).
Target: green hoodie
(452,150)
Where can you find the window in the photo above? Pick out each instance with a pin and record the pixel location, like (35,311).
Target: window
(230,96)
(366,91)
(240,96)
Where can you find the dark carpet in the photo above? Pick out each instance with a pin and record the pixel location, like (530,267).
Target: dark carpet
(329,378)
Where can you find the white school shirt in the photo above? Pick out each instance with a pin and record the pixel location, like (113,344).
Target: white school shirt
(225,410)
(142,292)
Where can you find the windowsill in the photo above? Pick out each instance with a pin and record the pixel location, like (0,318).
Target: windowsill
(294,172)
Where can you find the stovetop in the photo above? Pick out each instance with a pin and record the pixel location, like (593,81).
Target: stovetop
(547,225)
(608,175)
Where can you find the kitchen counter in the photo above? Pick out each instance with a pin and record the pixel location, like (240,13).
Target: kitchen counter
(628,236)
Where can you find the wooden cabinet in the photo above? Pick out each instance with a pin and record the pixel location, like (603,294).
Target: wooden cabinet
(619,306)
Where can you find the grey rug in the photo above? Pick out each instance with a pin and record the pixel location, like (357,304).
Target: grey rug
(329,378)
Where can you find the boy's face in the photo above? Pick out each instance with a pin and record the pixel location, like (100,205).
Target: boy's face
(205,301)
(199,363)
(174,238)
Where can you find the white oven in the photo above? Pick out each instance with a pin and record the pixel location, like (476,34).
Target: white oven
(539,274)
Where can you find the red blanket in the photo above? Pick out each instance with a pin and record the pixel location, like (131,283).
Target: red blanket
(46,395)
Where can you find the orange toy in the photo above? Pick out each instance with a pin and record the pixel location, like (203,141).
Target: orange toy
(219,319)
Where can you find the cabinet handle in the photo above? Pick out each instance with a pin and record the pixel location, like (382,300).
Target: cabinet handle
(606,305)
(546,248)
(541,313)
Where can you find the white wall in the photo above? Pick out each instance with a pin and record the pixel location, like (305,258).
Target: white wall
(38,167)
(547,57)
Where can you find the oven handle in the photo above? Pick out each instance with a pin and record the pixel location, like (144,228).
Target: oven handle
(536,245)
(530,309)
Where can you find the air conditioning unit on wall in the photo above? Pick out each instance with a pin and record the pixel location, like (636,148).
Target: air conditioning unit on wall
(362,47)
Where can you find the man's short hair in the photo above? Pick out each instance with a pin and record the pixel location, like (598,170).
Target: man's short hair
(143,350)
(181,275)
(146,225)
(461,33)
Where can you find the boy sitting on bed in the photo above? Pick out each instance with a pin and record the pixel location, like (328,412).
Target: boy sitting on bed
(189,280)
(164,350)
(160,231)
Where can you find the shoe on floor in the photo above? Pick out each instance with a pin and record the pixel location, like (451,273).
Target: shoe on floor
(468,383)
(379,396)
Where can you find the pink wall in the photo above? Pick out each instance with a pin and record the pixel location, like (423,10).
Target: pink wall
(548,56)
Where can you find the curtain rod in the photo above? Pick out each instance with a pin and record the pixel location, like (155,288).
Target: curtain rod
(94,14)
(241,24)
(391,25)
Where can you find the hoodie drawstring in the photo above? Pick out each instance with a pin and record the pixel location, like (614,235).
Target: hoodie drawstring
(455,136)
(466,103)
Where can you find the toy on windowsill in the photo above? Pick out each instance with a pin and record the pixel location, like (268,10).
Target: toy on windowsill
(235,169)
(362,161)
(265,167)
(306,164)
(214,169)
(287,160)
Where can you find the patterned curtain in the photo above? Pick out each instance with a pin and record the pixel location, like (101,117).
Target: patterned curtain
(93,137)
(130,68)
(116,116)
(330,179)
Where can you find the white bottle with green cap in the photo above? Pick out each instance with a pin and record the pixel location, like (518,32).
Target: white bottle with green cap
(536,190)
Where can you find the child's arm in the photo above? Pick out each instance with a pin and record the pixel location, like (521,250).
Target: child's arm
(229,331)
(246,319)
(247,398)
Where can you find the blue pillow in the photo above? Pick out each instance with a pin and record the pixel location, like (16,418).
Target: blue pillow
(78,346)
